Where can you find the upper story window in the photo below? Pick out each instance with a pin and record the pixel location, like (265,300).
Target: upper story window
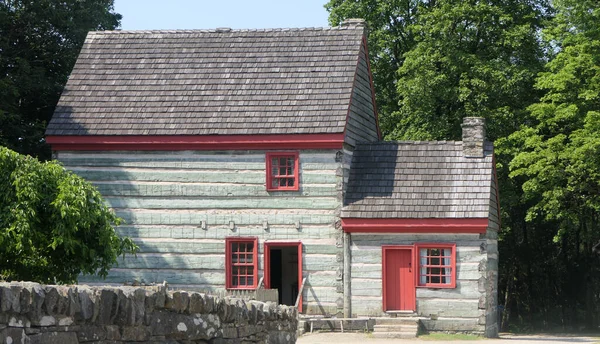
(437,265)
(282,171)
(241,263)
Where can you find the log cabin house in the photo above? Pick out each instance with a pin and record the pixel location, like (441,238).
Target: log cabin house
(245,159)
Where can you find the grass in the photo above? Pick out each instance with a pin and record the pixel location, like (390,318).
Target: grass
(449,337)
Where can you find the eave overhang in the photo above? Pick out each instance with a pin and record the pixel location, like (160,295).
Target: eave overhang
(205,142)
(437,225)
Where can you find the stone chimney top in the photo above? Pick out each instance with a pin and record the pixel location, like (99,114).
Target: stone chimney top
(353,22)
(473,137)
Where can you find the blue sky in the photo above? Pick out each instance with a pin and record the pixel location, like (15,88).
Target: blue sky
(210,14)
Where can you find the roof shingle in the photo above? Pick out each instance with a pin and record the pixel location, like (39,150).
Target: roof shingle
(208,82)
(418,180)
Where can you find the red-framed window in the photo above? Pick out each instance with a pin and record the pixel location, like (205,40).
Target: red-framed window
(241,263)
(282,171)
(436,265)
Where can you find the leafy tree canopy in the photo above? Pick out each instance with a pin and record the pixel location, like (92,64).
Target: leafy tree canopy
(559,148)
(53,224)
(39,43)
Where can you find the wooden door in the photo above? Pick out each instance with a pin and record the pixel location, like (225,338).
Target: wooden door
(398,280)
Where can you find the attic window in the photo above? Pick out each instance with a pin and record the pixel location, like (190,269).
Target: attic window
(437,265)
(282,171)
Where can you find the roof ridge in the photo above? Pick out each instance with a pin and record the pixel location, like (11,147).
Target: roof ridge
(228,30)
(433,142)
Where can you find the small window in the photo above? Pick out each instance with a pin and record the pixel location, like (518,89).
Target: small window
(282,171)
(241,263)
(437,267)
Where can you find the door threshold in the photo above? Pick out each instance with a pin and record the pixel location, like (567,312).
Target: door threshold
(395,314)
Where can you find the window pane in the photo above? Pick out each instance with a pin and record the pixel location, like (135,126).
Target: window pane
(282,161)
(243,280)
(250,280)
(282,171)
(290,181)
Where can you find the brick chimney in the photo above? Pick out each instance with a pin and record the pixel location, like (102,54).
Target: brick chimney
(473,137)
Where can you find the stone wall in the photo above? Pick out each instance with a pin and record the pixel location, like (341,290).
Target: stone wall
(34,313)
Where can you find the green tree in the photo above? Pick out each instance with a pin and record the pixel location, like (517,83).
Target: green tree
(472,58)
(39,43)
(53,224)
(390,37)
(435,62)
(558,152)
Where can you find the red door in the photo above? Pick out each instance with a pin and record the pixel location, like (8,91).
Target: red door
(398,280)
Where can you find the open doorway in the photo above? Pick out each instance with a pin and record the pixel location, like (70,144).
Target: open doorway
(283,270)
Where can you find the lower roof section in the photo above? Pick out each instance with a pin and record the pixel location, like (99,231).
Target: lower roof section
(438,225)
(207,142)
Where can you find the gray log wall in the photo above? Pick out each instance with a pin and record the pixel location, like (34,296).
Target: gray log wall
(34,313)
(463,308)
(180,206)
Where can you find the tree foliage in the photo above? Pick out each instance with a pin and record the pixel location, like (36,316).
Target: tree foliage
(39,43)
(439,61)
(557,155)
(53,224)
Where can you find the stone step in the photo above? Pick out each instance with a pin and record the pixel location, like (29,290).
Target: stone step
(402,335)
(396,321)
(395,328)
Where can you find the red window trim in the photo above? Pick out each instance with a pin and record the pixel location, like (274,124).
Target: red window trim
(417,258)
(269,157)
(229,263)
(268,245)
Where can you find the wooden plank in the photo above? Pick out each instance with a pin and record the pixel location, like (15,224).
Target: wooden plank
(170,261)
(212,218)
(320,294)
(367,305)
(320,262)
(196,277)
(180,246)
(468,271)
(275,232)
(367,271)
(366,287)
(183,176)
(450,308)
(224,203)
(202,189)
(169,157)
(468,289)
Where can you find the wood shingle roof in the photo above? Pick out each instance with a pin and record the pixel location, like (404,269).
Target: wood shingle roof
(211,82)
(430,179)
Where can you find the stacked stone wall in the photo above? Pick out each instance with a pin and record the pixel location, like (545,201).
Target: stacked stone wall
(34,313)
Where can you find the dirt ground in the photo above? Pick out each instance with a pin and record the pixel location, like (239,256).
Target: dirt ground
(361,338)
